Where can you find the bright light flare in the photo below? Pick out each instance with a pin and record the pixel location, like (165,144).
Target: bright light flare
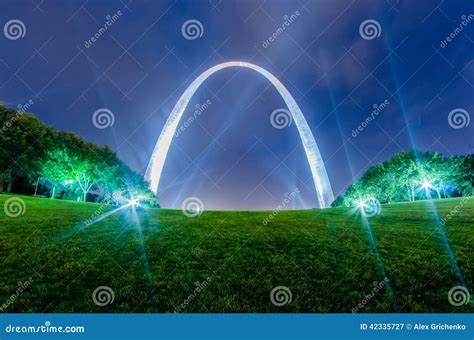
(426,184)
(133,202)
(361,204)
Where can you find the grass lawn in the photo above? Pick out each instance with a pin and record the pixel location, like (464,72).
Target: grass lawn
(324,257)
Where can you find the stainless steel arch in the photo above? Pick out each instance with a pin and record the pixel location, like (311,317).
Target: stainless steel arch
(316,164)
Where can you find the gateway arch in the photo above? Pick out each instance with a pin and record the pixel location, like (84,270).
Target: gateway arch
(318,170)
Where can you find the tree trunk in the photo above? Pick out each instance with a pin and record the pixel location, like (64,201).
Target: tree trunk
(2,183)
(84,196)
(9,186)
(36,187)
(437,192)
(53,192)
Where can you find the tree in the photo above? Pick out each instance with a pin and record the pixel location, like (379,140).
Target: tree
(462,174)
(30,150)
(435,169)
(412,174)
(406,168)
(24,141)
(56,169)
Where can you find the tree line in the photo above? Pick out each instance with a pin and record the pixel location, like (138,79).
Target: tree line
(412,175)
(39,160)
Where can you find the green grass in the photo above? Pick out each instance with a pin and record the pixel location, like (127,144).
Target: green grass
(323,256)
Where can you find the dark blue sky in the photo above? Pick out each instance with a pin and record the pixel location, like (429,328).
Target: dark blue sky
(231,157)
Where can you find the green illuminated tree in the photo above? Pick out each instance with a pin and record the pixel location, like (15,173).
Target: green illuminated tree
(462,174)
(411,175)
(55,169)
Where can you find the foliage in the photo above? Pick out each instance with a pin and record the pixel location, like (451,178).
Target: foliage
(68,167)
(24,142)
(412,175)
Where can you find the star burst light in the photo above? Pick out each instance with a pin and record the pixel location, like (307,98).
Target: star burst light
(426,184)
(133,202)
(361,204)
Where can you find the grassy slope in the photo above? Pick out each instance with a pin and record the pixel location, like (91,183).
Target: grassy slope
(324,257)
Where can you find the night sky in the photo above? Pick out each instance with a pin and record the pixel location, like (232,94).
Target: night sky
(231,156)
